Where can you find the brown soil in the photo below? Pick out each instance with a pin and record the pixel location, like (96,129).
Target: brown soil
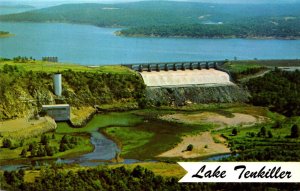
(203,145)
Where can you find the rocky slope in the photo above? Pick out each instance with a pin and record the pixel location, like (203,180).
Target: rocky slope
(195,94)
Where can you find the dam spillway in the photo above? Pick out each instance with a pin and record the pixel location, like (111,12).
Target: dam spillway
(182,78)
(183,83)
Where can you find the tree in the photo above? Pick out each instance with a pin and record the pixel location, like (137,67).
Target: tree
(33,152)
(138,171)
(234,131)
(7,143)
(295,131)
(44,139)
(63,147)
(31,147)
(263,131)
(64,139)
(49,150)
(270,135)
(190,147)
(23,153)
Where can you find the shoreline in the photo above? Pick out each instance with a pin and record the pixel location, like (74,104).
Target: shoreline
(118,33)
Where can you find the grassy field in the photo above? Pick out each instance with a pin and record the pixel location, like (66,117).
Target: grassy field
(130,139)
(100,121)
(243,65)
(51,67)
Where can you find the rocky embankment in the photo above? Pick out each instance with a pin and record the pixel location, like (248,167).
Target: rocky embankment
(195,94)
(81,115)
(22,93)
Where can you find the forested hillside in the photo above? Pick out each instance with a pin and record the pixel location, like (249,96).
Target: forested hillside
(185,19)
(120,179)
(253,28)
(23,92)
(278,90)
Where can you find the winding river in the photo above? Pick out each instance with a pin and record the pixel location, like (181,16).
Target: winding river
(104,148)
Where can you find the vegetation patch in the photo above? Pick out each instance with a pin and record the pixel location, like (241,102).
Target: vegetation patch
(129,137)
(159,168)
(4,34)
(279,91)
(264,142)
(80,115)
(23,128)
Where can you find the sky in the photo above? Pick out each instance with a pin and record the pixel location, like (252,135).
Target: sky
(39,3)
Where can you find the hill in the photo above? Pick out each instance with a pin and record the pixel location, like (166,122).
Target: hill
(177,19)
(153,13)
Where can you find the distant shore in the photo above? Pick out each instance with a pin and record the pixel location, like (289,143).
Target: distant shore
(119,33)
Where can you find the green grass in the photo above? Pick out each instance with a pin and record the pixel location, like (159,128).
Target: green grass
(241,66)
(103,120)
(129,137)
(55,67)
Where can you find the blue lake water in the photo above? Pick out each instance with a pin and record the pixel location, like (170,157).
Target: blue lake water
(91,45)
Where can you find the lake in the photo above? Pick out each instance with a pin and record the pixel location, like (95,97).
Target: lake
(91,45)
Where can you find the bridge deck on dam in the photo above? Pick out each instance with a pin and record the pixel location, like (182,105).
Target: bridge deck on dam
(186,77)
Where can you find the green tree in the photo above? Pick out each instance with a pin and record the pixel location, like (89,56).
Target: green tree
(31,147)
(270,135)
(63,147)
(295,131)
(23,153)
(190,147)
(263,131)
(44,139)
(234,131)
(7,143)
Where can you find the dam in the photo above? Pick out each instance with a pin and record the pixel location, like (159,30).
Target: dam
(185,78)
(183,83)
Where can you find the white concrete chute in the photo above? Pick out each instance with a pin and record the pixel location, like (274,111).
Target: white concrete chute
(186,77)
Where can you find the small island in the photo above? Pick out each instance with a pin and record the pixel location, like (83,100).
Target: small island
(4,34)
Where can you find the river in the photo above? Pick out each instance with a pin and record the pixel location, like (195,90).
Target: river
(91,45)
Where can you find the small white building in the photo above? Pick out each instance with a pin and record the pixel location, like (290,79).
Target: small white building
(59,112)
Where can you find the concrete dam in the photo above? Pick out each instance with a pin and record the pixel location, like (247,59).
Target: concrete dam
(182,78)
(183,83)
